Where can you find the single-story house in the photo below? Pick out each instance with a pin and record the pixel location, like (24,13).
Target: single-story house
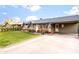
(66,24)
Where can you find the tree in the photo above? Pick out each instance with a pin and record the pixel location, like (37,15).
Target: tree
(8,21)
(7,24)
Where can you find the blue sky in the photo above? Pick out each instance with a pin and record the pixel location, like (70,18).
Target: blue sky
(31,12)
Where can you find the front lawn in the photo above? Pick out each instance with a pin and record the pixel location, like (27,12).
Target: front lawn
(11,37)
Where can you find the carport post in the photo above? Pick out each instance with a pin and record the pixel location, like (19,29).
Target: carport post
(78,30)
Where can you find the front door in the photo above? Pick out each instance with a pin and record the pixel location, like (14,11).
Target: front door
(56,28)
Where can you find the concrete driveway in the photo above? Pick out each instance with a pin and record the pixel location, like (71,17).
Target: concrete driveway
(55,43)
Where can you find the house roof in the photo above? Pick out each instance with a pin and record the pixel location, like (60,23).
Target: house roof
(65,19)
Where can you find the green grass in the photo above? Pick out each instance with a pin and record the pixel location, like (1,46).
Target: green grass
(11,37)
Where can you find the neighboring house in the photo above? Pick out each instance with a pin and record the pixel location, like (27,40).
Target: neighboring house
(66,24)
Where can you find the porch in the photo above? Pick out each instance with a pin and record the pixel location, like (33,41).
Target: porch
(62,28)
(54,28)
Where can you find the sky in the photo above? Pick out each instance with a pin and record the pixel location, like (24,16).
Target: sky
(24,13)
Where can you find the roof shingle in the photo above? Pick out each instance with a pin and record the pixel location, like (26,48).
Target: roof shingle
(73,18)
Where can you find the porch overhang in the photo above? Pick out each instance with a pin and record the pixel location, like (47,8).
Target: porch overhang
(56,22)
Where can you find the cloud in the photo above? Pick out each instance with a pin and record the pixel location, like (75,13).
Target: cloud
(24,6)
(15,6)
(4,13)
(32,8)
(30,18)
(3,6)
(17,20)
(73,11)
